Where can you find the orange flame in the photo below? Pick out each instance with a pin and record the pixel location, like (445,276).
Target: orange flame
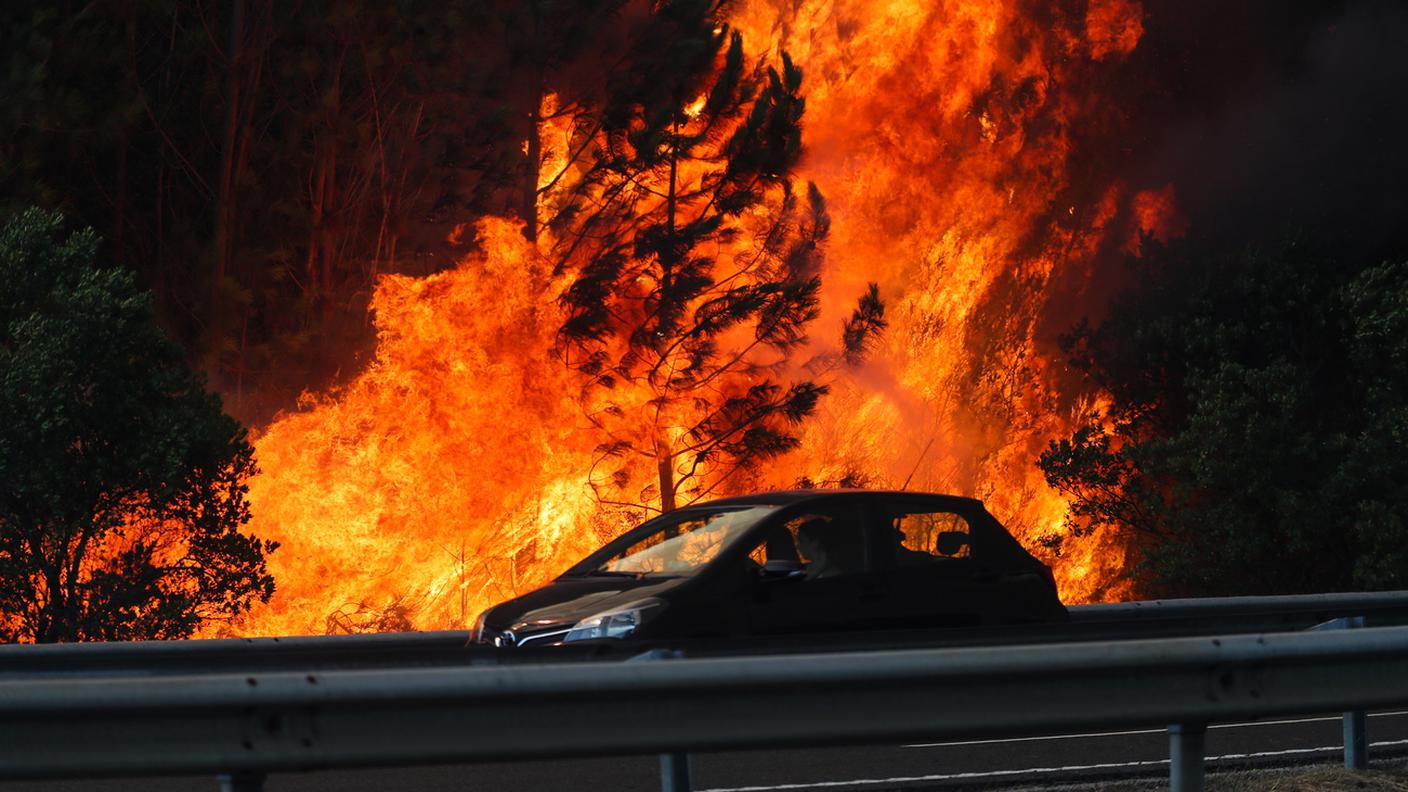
(942,134)
(445,476)
(453,472)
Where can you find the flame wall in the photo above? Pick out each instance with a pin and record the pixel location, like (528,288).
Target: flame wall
(433,482)
(943,135)
(452,472)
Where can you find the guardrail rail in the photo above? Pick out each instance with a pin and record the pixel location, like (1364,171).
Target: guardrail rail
(447,648)
(241,709)
(251,724)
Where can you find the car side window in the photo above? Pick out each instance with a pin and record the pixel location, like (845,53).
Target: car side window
(778,550)
(684,546)
(925,536)
(819,545)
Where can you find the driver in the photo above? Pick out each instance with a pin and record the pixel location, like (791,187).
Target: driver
(824,543)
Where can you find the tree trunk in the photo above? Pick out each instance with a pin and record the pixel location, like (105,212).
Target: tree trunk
(322,240)
(665,463)
(119,234)
(529,207)
(327,239)
(667,261)
(163,273)
(52,627)
(315,223)
(233,60)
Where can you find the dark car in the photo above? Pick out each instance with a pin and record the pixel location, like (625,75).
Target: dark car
(811,561)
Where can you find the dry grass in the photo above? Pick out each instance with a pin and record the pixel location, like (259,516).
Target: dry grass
(1298,779)
(1316,779)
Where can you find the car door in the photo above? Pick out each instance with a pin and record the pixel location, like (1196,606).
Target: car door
(815,573)
(933,578)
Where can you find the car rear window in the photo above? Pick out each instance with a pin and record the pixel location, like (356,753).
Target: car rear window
(930,535)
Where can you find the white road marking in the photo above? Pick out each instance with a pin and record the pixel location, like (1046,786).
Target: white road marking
(1287,722)
(1036,770)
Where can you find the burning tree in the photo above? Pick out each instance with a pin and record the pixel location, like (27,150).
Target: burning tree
(695,267)
(121,481)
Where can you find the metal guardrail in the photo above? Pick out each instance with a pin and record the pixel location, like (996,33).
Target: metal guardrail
(316,656)
(250,724)
(1296,611)
(1106,622)
(215,652)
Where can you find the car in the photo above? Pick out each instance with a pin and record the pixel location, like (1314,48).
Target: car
(789,563)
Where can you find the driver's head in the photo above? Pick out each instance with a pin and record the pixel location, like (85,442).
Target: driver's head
(812,537)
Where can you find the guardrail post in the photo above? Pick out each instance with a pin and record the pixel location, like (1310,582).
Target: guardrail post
(1185,748)
(1356,737)
(674,772)
(1356,741)
(674,767)
(241,782)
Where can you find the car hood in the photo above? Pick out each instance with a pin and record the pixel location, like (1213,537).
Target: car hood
(569,600)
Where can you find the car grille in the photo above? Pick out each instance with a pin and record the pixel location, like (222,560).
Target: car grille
(537,635)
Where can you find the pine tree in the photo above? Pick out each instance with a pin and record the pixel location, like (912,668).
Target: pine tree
(695,266)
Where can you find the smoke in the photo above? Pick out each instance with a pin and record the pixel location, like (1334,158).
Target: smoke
(1243,123)
(1291,120)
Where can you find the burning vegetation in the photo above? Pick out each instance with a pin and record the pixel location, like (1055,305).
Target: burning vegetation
(1123,269)
(544,395)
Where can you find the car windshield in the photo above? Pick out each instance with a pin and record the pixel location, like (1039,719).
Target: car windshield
(681,544)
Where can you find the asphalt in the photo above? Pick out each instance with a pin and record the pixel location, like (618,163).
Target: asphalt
(952,765)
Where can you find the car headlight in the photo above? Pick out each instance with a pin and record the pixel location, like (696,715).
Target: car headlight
(619,622)
(476,633)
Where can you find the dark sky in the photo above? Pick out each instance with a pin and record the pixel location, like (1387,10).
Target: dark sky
(1270,115)
(1272,120)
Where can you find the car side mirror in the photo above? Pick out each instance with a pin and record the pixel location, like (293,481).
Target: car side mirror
(951,543)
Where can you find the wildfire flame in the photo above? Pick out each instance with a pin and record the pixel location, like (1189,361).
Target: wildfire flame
(446,475)
(453,471)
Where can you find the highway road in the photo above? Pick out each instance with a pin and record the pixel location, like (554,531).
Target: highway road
(945,765)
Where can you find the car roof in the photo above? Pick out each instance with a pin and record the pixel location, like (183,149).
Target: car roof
(789,497)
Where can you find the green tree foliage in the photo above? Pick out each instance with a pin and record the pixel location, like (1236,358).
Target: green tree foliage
(122,484)
(1257,438)
(696,264)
